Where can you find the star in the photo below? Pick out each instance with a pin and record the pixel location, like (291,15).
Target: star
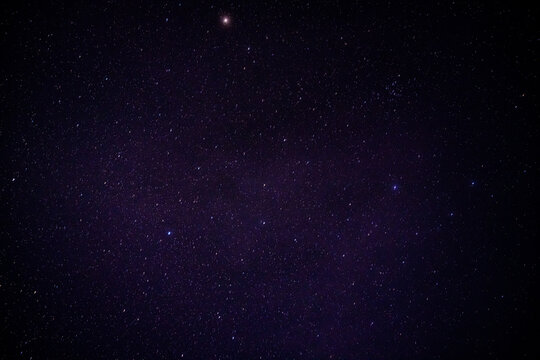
(225,20)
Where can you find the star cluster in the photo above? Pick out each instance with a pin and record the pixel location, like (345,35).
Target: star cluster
(268,180)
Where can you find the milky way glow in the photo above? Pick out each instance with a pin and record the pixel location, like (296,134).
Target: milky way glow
(340,180)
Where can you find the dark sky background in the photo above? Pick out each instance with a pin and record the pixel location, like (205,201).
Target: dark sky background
(310,180)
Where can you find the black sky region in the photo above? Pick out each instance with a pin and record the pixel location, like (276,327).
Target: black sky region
(268,180)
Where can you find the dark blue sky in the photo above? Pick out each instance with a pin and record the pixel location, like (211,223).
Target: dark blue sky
(309,180)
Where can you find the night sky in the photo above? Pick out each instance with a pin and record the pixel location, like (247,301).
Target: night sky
(268,180)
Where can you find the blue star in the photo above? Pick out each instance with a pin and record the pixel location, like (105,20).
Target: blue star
(169,233)
(394,187)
